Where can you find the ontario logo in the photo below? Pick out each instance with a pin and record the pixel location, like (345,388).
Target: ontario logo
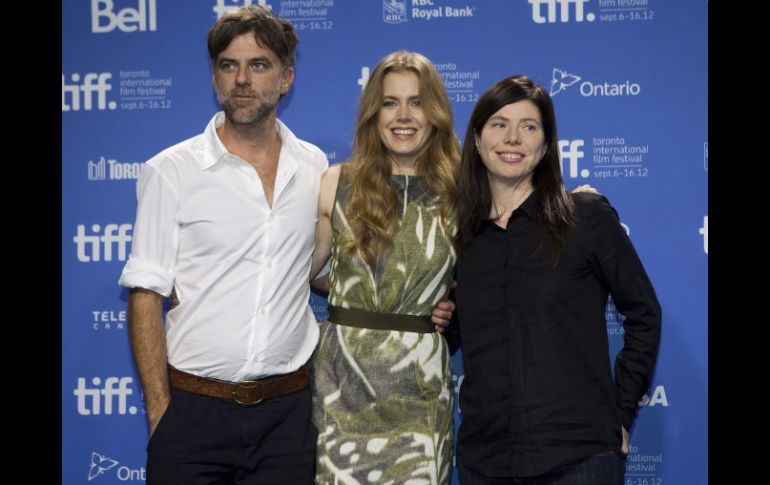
(561,80)
(394,11)
(102,463)
(99,465)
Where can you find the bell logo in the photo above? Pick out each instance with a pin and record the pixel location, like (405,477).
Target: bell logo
(92,82)
(220,8)
(563,8)
(570,150)
(94,247)
(104,19)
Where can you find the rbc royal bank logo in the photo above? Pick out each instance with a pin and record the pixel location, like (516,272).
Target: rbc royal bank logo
(394,11)
(566,14)
(221,8)
(104,19)
(561,80)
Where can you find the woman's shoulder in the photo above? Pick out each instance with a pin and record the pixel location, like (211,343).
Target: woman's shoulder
(594,209)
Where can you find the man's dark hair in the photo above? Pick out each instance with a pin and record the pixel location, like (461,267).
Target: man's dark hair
(270,31)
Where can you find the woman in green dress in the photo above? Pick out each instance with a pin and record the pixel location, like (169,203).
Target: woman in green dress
(382,384)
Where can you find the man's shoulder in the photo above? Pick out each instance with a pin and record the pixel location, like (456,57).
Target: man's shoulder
(305,151)
(312,155)
(183,152)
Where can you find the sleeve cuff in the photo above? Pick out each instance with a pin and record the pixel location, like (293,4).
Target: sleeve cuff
(626,418)
(144,274)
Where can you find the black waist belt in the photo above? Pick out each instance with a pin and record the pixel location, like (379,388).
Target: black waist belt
(380,321)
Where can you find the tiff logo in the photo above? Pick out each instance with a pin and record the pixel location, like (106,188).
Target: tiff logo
(92,83)
(220,8)
(90,247)
(104,19)
(364,77)
(457,382)
(704,231)
(99,400)
(563,8)
(570,150)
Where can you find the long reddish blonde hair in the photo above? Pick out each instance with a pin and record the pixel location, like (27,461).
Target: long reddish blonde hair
(371,209)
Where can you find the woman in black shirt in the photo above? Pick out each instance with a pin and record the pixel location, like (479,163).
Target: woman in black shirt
(536,267)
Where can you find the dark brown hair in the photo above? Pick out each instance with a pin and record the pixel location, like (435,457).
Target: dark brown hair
(270,31)
(553,205)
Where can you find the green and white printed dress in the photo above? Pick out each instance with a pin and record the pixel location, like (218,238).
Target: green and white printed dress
(382,399)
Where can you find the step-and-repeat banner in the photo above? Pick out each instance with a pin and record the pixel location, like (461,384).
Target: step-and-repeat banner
(629,79)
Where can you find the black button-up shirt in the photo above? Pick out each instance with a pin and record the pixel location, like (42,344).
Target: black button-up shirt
(538,391)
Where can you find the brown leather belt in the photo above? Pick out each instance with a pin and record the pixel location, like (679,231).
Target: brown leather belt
(245,393)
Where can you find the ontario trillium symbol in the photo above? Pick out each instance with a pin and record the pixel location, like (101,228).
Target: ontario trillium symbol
(99,465)
(561,80)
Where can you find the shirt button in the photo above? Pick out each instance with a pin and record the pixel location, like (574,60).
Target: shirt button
(263,311)
(270,219)
(269,264)
(256,358)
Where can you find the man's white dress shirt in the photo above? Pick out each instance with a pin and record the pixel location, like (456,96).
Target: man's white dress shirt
(240,267)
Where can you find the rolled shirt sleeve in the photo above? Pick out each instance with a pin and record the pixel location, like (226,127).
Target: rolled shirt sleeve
(151,264)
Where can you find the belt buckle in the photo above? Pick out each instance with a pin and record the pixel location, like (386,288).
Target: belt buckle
(248,385)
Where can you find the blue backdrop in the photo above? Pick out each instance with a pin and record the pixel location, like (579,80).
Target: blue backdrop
(629,82)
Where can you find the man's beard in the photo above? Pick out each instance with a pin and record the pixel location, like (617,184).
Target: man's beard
(255,113)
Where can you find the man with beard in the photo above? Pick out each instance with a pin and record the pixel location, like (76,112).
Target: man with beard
(227,220)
